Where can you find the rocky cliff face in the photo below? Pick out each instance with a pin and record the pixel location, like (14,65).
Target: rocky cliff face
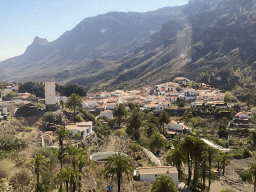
(135,48)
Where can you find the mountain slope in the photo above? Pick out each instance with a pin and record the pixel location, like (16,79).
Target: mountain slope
(197,40)
(93,38)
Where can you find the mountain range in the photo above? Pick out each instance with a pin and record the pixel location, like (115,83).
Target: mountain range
(196,40)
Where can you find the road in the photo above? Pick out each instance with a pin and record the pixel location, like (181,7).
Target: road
(216,146)
(152,157)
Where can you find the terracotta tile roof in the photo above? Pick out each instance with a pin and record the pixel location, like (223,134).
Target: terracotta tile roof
(72,127)
(79,126)
(157,170)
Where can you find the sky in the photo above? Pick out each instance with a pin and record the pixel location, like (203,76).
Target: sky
(22,21)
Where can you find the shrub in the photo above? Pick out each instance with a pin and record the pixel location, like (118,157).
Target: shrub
(120,132)
(78,118)
(49,117)
(247,153)
(9,96)
(20,179)
(238,156)
(231,142)
(41,105)
(138,157)
(30,129)
(244,174)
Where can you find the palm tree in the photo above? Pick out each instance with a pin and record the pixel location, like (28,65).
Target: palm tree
(218,161)
(75,157)
(68,175)
(187,145)
(176,157)
(210,153)
(74,101)
(37,161)
(204,168)
(164,119)
(81,161)
(62,133)
(63,176)
(253,137)
(74,173)
(70,155)
(118,165)
(199,147)
(252,173)
(225,160)
(119,112)
(163,183)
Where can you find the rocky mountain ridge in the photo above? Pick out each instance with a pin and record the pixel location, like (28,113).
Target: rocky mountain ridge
(132,49)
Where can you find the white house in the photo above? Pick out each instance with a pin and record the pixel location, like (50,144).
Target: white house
(111,106)
(190,94)
(197,103)
(149,174)
(175,126)
(107,113)
(172,99)
(158,109)
(243,115)
(178,127)
(84,128)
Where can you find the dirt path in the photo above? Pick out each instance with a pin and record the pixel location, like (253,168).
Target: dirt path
(111,144)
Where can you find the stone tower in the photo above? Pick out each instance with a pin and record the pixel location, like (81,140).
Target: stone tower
(50,100)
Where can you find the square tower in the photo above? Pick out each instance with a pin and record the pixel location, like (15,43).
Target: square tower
(50,100)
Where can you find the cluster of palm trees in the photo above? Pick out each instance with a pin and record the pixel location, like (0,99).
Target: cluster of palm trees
(75,160)
(199,158)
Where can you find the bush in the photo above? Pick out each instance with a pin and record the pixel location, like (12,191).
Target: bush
(9,96)
(78,118)
(20,179)
(247,153)
(238,156)
(49,117)
(138,157)
(120,132)
(41,105)
(231,142)
(30,129)
(244,175)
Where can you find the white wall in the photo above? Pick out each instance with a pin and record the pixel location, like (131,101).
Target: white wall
(151,177)
(64,98)
(108,115)
(178,127)
(50,93)
(111,106)
(86,132)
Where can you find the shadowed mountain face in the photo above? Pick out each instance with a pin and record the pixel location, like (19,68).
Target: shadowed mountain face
(143,48)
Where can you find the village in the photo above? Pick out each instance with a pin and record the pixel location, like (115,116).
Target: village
(148,125)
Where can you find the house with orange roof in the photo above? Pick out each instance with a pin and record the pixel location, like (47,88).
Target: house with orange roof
(83,129)
(178,127)
(149,174)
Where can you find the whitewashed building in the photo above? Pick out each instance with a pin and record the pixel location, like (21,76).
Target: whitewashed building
(107,113)
(178,127)
(149,174)
(84,128)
